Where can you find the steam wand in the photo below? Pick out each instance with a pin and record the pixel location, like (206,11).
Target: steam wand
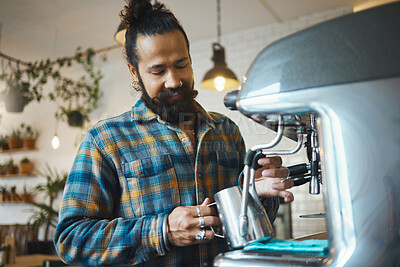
(251,159)
(248,161)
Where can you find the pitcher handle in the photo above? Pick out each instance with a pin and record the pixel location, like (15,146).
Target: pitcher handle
(212,228)
(217,234)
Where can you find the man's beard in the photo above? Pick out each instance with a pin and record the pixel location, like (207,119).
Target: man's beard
(175,112)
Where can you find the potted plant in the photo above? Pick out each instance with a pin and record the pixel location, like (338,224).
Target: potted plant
(16,93)
(78,98)
(3,189)
(14,140)
(14,96)
(75,118)
(3,169)
(13,195)
(3,143)
(45,215)
(3,193)
(29,136)
(26,166)
(27,196)
(11,167)
(23,86)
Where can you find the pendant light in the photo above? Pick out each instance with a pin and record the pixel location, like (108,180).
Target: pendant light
(220,77)
(119,36)
(360,6)
(55,141)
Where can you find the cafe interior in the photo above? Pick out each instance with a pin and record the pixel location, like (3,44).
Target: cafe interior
(68,56)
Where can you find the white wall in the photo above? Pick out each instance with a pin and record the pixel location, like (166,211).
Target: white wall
(241,48)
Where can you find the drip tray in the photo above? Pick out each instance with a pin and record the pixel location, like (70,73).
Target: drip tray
(264,258)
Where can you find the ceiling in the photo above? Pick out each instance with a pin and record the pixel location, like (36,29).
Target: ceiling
(35,29)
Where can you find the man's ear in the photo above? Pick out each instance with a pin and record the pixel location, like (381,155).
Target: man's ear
(133,72)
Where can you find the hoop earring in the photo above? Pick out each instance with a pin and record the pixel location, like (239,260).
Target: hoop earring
(180,84)
(136,86)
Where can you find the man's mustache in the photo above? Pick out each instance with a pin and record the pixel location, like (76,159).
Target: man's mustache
(184,90)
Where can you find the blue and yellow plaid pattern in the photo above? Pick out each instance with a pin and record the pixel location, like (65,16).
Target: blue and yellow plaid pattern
(129,173)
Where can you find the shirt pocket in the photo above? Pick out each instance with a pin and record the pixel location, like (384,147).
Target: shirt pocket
(228,168)
(152,185)
(228,159)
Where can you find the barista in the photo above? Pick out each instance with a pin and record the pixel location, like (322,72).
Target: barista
(141,181)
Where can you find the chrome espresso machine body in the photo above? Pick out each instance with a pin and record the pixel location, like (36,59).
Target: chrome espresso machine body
(338,83)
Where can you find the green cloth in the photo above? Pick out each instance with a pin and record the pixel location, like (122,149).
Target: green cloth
(311,246)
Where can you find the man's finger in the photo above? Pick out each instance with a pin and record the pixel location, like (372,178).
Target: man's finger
(206,202)
(210,221)
(204,209)
(282,185)
(274,160)
(286,195)
(276,172)
(209,235)
(288,183)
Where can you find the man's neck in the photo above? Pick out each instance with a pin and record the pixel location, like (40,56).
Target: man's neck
(190,128)
(187,124)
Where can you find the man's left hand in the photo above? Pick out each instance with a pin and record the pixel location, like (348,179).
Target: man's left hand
(270,179)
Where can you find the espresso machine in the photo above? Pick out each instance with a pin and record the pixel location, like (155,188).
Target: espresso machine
(334,88)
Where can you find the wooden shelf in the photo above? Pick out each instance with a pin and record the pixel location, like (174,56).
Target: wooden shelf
(10,151)
(15,202)
(18,175)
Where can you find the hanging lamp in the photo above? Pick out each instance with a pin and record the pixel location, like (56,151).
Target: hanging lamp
(360,6)
(220,77)
(119,36)
(55,141)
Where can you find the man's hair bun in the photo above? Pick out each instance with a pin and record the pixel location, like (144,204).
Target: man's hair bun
(140,17)
(134,11)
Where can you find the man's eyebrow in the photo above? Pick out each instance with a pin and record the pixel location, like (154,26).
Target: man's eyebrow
(181,60)
(158,66)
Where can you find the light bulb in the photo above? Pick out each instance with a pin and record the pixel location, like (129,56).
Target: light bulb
(55,142)
(219,83)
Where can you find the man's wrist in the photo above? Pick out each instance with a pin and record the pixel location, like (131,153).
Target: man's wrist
(165,233)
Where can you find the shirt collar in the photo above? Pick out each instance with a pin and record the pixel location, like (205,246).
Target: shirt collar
(141,113)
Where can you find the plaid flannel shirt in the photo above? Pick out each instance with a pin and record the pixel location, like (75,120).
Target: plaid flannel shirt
(130,172)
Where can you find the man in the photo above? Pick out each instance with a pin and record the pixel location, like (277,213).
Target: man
(141,182)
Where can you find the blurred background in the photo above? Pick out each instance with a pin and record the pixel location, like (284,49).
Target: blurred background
(35,30)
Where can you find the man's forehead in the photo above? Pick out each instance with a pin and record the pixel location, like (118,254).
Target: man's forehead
(166,45)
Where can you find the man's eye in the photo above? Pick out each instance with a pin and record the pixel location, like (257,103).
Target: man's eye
(158,72)
(182,66)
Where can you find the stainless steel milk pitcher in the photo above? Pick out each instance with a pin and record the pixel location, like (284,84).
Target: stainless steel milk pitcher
(228,202)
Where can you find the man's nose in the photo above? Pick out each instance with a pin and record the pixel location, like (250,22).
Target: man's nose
(172,80)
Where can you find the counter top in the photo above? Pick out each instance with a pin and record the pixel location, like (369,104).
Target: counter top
(32,260)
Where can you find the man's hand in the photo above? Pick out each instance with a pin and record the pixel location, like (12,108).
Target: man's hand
(184,224)
(270,180)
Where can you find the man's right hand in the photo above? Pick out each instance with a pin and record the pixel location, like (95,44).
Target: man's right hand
(184,224)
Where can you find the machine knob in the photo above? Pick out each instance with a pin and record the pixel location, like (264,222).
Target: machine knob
(230,99)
